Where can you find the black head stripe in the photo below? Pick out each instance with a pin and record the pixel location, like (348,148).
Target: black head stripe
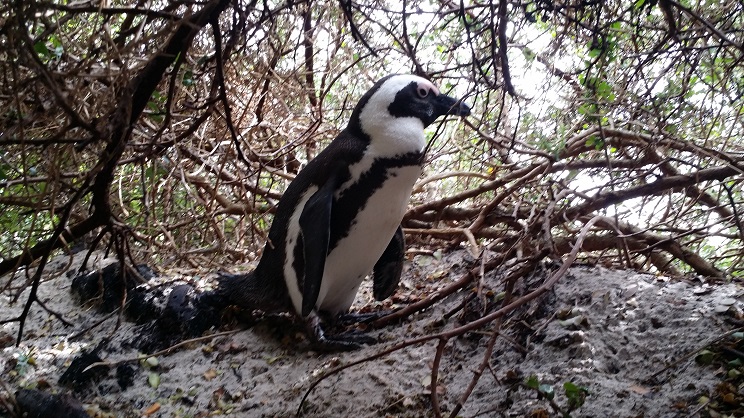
(408,103)
(405,103)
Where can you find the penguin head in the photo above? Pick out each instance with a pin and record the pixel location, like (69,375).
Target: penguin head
(400,98)
(419,98)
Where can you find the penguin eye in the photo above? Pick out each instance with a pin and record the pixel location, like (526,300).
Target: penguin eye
(422,92)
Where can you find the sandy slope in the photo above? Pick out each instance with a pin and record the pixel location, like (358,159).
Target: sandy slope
(630,326)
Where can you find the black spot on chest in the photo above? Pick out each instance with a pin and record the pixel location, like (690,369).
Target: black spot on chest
(355,198)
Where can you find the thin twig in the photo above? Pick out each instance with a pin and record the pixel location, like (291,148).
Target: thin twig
(161,352)
(690,354)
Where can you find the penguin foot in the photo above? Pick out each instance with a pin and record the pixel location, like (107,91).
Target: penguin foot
(340,342)
(346,341)
(357,337)
(350,318)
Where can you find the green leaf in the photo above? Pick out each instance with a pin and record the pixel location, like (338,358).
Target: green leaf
(274,359)
(41,49)
(595,141)
(151,362)
(154,380)
(188,78)
(438,254)
(150,173)
(573,389)
(547,391)
(56,42)
(576,394)
(705,357)
(157,96)
(604,90)
(734,363)
(532,382)
(529,55)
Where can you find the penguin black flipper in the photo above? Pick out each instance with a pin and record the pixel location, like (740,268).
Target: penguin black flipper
(387,270)
(315,227)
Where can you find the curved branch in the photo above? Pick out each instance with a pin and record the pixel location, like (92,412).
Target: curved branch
(604,199)
(668,244)
(307,42)
(346,8)
(503,22)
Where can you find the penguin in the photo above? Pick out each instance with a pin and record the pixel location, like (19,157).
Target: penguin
(339,219)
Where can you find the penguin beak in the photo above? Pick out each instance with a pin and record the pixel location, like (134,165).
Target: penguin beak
(446,105)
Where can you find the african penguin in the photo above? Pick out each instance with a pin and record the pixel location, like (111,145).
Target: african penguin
(339,219)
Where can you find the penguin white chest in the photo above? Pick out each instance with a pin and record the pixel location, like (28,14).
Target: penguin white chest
(355,255)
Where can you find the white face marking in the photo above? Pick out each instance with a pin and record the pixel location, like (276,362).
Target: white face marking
(389,135)
(392,135)
(293,233)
